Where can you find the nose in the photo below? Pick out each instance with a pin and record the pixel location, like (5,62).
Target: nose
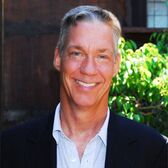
(88,66)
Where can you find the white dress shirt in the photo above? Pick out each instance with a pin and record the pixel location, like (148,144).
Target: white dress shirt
(67,154)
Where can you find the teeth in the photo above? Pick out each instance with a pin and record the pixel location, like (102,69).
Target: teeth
(86,84)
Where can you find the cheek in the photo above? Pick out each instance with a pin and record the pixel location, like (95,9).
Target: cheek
(69,66)
(107,72)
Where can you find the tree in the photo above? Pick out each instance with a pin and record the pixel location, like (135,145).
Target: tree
(140,90)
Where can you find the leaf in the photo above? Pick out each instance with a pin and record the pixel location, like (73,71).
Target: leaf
(137,117)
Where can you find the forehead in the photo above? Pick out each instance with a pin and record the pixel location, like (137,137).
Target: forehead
(91,34)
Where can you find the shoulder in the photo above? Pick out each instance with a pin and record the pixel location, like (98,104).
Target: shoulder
(27,143)
(137,130)
(134,129)
(131,132)
(139,142)
(32,128)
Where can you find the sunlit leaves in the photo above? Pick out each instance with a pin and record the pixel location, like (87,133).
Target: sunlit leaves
(140,90)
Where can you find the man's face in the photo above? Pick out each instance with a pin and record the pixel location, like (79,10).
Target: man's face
(87,64)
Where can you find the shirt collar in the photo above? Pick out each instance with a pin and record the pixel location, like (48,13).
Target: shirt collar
(103,131)
(57,126)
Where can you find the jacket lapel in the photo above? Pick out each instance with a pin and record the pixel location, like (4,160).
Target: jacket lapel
(42,144)
(118,144)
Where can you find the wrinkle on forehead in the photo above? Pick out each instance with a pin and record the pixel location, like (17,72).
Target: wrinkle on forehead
(88,35)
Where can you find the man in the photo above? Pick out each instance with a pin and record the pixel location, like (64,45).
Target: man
(83,132)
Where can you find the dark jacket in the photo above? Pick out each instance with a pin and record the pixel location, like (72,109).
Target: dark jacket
(129,145)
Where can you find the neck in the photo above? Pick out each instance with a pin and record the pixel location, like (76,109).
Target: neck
(75,121)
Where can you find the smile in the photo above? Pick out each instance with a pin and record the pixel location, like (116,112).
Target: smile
(85,84)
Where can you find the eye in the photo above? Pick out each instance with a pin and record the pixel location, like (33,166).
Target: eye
(103,57)
(75,53)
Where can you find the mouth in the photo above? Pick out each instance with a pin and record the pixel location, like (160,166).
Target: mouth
(86,84)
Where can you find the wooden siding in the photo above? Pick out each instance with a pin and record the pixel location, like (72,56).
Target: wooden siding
(29,83)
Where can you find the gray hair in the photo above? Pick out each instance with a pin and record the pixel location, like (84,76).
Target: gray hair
(88,13)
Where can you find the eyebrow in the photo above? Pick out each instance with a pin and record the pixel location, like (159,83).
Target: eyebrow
(76,47)
(81,48)
(103,50)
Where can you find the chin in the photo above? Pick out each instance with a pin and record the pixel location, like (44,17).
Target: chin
(86,103)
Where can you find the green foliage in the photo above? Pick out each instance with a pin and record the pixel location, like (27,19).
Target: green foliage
(140,90)
(161,40)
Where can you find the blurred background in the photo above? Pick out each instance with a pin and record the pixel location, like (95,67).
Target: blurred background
(29,85)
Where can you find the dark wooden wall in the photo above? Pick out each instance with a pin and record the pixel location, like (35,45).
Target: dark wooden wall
(29,83)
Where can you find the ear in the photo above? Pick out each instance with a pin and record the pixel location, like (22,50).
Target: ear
(57,59)
(117,64)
